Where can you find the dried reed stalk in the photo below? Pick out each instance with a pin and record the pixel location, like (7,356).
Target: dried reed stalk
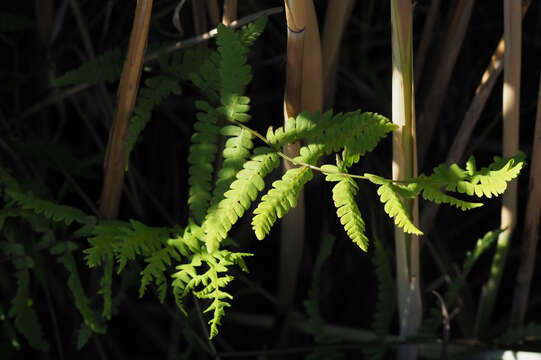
(115,159)
(511,113)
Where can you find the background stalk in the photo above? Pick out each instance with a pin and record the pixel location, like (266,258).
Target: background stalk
(303,92)
(405,166)
(115,159)
(530,235)
(511,113)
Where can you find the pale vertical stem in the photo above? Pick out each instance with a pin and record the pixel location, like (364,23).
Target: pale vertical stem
(303,92)
(336,19)
(405,166)
(446,63)
(428,30)
(115,159)
(531,227)
(230,11)
(511,113)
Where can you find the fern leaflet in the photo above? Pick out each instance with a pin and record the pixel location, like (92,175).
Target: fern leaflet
(242,192)
(106,67)
(26,320)
(343,194)
(156,89)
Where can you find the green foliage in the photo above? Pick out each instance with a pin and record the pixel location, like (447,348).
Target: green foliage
(242,192)
(106,67)
(156,89)
(487,181)
(343,194)
(24,314)
(451,295)
(209,284)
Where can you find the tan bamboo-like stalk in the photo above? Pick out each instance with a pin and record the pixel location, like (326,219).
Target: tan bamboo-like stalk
(531,227)
(303,92)
(428,30)
(511,114)
(446,63)
(405,166)
(199,14)
(115,159)
(230,11)
(336,19)
(213,12)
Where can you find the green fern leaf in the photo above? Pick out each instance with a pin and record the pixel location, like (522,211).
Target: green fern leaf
(83,335)
(50,210)
(283,195)
(208,78)
(156,89)
(347,210)
(242,192)
(106,67)
(235,74)
(26,320)
(201,157)
(207,285)
(236,152)
(158,263)
(304,126)
(106,284)
(488,181)
(82,303)
(390,195)
(250,32)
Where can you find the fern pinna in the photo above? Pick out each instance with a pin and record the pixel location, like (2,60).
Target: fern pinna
(227,173)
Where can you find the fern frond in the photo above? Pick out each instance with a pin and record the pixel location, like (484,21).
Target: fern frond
(210,284)
(82,303)
(451,295)
(83,335)
(236,151)
(25,317)
(106,284)
(235,74)
(208,78)
(343,194)
(251,31)
(156,89)
(487,181)
(356,132)
(201,159)
(242,192)
(182,65)
(157,264)
(106,67)
(390,195)
(304,126)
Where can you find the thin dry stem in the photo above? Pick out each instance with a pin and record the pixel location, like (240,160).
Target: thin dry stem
(336,19)
(447,59)
(115,160)
(511,113)
(428,29)
(230,11)
(531,227)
